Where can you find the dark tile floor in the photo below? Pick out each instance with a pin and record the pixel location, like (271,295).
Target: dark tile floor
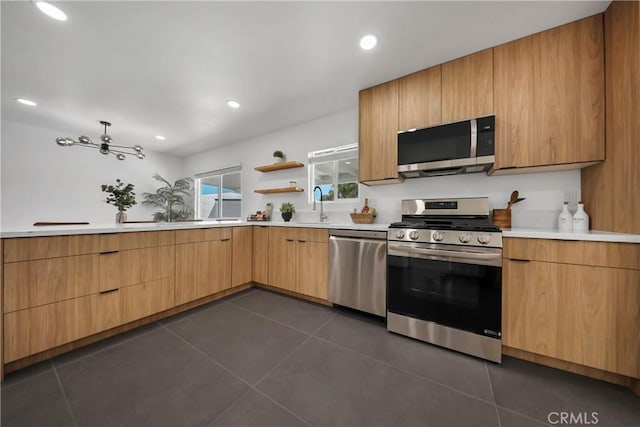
(263,359)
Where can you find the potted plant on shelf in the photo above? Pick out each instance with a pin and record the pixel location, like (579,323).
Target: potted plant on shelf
(121,196)
(287,210)
(278,156)
(172,199)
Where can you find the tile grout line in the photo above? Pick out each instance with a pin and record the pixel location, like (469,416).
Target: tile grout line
(271,319)
(283,407)
(6,386)
(108,347)
(251,387)
(382,362)
(523,415)
(229,407)
(64,394)
(493,394)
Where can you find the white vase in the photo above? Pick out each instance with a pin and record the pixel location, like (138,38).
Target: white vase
(565,220)
(278,159)
(580,220)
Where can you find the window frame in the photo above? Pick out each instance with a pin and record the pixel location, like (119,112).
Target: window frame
(333,155)
(220,206)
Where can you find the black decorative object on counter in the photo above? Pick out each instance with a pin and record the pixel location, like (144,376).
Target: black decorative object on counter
(287,211)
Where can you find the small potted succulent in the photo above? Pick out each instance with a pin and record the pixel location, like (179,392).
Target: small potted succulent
(287,211)
(121,196)
(278,156)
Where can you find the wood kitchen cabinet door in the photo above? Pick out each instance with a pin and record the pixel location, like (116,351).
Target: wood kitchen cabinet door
(282,258)
(420,99)
(378,133)
(242,267)
(581,314)
(146,299)
(202,269)
(467,87)
(261,254)
(313,269)
(549,97)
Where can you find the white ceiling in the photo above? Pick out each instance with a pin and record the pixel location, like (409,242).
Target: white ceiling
(168,68)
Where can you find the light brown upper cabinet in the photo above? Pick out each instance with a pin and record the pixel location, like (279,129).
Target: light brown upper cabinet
(467,87)
(420,99)
(549,97)
(378,133)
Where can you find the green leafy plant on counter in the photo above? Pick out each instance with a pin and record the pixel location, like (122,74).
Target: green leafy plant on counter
(287,207)
(121,195)
(278,153)
(171,199)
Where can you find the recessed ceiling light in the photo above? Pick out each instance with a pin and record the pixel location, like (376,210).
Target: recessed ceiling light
(368,42)
(26,102)
(160,137)
(51,10)
(233,104)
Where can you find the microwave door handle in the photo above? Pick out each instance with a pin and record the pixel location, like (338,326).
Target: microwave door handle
(474,138)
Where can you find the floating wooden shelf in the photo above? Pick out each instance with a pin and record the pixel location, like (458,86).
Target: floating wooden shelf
(279,166)
(280,190)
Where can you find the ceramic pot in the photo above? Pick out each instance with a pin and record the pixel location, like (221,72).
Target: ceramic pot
(278,160)
(287,216)
(121,217)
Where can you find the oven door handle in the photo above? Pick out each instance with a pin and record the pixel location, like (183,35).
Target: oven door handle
(493,258)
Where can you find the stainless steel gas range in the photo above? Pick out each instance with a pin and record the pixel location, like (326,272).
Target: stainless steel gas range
(444,275)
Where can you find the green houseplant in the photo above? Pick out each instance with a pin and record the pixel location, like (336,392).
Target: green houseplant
(278,156)
(121,196)
(172,199)
(287,211)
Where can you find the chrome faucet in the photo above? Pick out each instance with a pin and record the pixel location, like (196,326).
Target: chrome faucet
(322,215)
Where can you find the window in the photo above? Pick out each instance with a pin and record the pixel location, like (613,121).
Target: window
(335,171)
(219,194)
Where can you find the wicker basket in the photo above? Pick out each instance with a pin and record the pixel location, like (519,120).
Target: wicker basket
(362,218)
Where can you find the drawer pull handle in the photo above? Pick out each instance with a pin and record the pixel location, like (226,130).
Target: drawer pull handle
(302,241)
(290,240)
(224,240)
(519,260)
(109,252)
(109,291)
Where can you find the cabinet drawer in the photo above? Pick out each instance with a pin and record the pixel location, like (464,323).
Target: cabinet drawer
(320,235)
(202,235)
(32,248)
(33,330)
(29,284)
(602,254)
(33,283)
(146,299)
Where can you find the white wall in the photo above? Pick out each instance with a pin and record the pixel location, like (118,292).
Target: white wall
(41,181)
(544,191)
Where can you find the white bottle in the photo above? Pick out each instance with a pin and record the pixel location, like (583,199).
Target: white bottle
(565,220)
(580,219)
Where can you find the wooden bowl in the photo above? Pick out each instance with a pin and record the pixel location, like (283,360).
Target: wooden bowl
(362,218)
(502,218)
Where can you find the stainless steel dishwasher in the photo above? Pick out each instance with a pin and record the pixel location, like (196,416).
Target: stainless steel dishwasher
(358,270)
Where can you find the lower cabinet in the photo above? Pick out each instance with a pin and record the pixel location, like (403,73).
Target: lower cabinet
(202,269)
(299,260)
(146,299)
(588,315)
(261,254)
(242,258)
(36,329)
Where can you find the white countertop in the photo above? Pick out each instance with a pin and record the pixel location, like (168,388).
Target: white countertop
(591,235)
(62,230)
(529,233)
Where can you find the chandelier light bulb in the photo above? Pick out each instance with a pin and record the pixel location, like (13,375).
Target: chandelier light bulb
(120,156)
(140,155)
(51,11)
(84,139)
(106,139)
(137,148)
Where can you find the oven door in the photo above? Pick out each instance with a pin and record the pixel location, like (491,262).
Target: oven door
(455,286)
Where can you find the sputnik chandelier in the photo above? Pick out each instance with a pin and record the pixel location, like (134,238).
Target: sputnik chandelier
(105,146)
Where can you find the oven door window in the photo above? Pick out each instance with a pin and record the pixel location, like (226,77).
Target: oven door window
(459,295)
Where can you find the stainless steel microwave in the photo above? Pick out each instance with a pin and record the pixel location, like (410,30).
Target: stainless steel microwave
(453,148)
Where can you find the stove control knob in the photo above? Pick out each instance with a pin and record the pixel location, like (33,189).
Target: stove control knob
(437,236)
(483,239)
(399,234)
(464,238)
(414,235)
